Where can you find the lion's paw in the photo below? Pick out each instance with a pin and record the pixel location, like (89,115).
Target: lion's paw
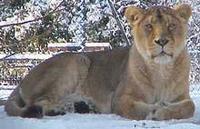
(156,115)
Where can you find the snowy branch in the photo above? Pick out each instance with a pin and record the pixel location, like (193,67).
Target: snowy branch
(37,19)
(20,23)
(118,22)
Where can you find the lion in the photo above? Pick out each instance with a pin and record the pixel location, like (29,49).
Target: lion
(146,81)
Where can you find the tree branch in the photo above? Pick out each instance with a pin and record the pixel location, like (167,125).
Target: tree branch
(28,21)
(5,57)
(25,22)
(115,14)
(20,23)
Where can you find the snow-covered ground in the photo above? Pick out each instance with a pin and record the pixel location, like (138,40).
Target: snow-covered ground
(5,91)
(97,121)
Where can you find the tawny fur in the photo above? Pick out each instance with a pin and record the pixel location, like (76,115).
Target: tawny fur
(136,83)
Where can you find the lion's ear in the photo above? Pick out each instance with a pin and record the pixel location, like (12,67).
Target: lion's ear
(133,14)
(184,11)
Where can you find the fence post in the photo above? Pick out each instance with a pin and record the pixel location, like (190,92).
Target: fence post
(116,15)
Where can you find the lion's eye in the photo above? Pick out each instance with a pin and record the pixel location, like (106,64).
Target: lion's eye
(148,27)
(171,27)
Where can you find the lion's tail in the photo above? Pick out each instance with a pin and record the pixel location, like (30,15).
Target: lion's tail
(14,106)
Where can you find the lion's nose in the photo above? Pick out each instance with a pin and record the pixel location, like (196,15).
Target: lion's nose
(162,42)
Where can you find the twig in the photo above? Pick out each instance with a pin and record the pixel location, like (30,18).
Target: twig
(24,22)
(5,57)
(20,23)
(119,23)
(28,21)
(192,36)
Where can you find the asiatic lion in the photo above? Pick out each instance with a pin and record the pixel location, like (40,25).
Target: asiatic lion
(147,81)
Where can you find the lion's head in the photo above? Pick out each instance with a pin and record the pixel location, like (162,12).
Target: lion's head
(159,32)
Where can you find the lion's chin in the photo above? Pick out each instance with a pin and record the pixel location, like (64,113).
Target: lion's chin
(162,59)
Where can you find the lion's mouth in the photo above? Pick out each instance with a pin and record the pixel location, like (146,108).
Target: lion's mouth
(162,53)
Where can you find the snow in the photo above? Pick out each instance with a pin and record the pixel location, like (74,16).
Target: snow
(27,56)
(4,94)
(5,91)
(195,90)
(100,121)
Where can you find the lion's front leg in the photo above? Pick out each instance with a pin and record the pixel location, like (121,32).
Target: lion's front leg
(179,110)
(127,107)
